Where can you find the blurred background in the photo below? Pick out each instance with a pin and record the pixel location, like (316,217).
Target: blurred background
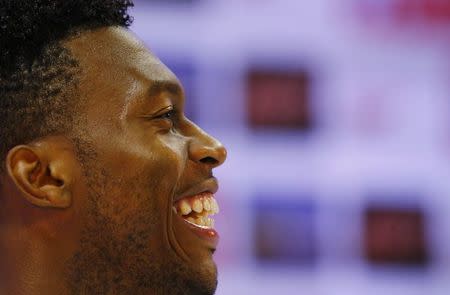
(336,116)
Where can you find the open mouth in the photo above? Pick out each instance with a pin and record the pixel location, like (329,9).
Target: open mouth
(194,210)
(198,210)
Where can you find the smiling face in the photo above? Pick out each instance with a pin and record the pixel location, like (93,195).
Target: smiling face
(149,173)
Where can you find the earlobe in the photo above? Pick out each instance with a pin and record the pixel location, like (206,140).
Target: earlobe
(39,174)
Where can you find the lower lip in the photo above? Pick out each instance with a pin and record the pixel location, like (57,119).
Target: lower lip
(209,235)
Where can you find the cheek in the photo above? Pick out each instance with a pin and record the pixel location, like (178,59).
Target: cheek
(164,172)
(149,176)
(154,161)
(169,159)
(141,172)
(162,166)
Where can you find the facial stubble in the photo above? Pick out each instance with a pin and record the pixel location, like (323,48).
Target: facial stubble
(114,256)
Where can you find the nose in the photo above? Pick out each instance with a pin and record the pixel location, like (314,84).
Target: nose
(205,149)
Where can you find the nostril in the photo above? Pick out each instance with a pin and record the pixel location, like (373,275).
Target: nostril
(209,160)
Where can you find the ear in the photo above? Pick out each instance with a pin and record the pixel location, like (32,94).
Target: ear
(42,173)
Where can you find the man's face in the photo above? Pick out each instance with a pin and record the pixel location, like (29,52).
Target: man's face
(140,157)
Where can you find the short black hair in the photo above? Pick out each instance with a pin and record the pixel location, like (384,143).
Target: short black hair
(38,76)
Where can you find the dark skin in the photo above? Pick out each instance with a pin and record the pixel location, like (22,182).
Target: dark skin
(90,212)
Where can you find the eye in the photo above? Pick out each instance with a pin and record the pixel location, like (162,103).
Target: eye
(167,119)
(167,115)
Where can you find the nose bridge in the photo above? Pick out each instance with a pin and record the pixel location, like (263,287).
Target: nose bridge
(204,148)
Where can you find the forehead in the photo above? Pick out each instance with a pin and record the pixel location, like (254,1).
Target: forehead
(117,71)
(110,48)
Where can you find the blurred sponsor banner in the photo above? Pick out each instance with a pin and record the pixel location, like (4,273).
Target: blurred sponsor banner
(284,230)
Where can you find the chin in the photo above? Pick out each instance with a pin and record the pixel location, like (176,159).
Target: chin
(201,279)
(207,282)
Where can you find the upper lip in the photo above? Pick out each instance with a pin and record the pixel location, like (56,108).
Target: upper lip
(210,185)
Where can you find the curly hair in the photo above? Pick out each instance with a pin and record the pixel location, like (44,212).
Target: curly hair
(38,76)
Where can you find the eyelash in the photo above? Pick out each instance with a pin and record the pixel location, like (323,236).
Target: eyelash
(167,115)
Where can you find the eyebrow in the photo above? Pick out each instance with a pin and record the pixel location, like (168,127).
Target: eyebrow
(159,86)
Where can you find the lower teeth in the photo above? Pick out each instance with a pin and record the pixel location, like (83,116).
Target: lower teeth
(202,221)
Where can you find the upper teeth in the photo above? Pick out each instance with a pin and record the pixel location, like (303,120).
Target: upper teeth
(198,208)
(184,207)
(198,204)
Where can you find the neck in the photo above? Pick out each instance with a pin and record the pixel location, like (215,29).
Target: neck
(28,266)
(33,247)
